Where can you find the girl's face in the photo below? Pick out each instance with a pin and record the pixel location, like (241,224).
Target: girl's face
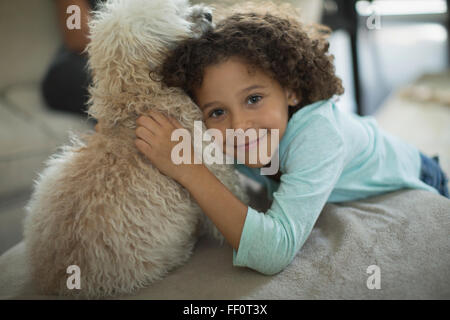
(234,96)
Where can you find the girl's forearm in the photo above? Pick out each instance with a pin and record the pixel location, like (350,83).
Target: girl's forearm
(226,211)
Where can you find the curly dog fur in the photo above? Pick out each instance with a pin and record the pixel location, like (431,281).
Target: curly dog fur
(100,204)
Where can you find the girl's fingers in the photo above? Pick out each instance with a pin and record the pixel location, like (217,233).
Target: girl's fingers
(144,147)
(175,123)
(147,122)
(159,118)
(145,134)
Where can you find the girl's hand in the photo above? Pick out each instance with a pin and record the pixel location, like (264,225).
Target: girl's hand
(153,134)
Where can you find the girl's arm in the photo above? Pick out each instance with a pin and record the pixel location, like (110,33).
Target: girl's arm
(226,211)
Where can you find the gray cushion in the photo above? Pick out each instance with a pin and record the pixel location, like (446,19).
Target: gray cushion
(404,233)
(29,134)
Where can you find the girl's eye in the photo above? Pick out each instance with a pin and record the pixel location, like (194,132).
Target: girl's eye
(254,99)
(216,113)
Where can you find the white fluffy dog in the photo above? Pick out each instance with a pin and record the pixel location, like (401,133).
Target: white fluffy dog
(100,204)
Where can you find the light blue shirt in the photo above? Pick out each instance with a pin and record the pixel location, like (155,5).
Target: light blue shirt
(326,155)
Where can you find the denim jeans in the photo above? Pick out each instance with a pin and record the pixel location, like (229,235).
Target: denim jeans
(431,173)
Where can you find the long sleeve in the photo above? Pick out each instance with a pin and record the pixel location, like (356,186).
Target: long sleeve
(313,163)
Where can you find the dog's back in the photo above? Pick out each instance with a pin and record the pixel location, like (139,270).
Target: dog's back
(101,207)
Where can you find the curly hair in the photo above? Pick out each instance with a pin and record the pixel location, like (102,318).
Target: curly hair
(280,47)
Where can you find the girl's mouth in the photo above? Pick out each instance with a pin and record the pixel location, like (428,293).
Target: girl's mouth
(251,144)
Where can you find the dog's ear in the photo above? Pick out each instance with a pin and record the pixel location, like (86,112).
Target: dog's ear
(201,17)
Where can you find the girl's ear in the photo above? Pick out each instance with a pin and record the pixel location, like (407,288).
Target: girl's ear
(292,98)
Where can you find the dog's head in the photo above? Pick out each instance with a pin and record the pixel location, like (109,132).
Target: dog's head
(128,40)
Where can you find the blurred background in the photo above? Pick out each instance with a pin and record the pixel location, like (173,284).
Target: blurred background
(392,55)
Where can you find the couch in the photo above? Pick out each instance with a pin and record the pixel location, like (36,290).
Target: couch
(403,234)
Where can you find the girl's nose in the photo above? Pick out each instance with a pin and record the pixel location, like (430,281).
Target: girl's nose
(242,122)
(247,127)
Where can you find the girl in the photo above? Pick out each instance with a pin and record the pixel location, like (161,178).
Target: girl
(266,72)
